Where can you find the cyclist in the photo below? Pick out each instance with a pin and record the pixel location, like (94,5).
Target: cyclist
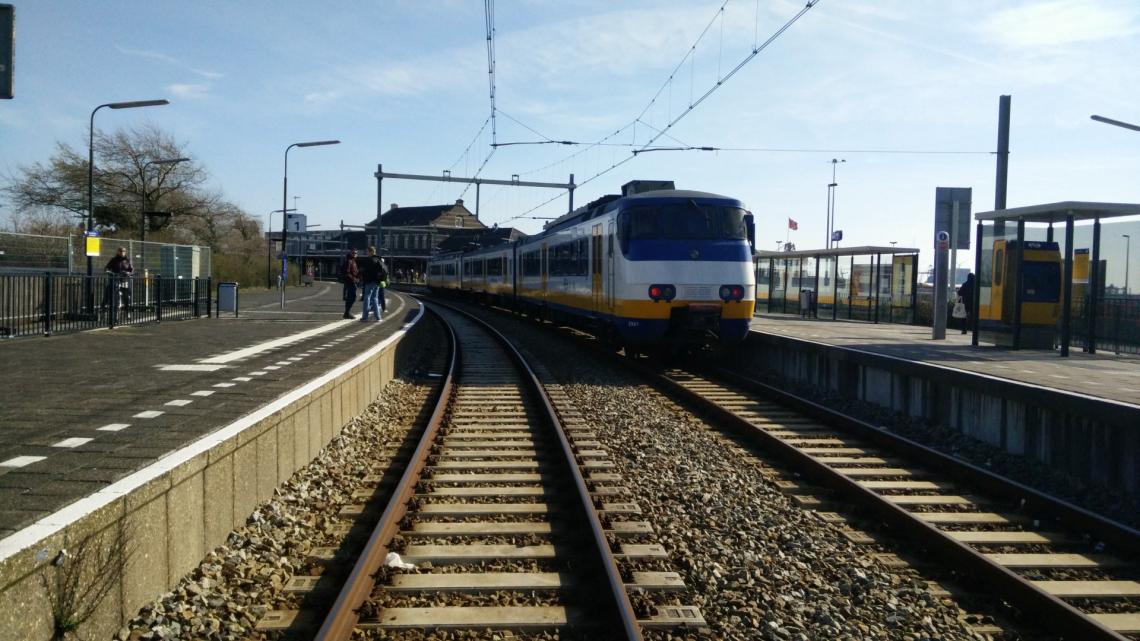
(120,270)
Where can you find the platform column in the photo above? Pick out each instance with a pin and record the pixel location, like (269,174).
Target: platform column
(978,283)
(1019,285)
(1067,294)
(1094,286)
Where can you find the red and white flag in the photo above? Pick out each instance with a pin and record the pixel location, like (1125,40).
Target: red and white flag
(793,225)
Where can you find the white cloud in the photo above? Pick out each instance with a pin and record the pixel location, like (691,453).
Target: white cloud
(1059,22)
(155,55)
(189,91)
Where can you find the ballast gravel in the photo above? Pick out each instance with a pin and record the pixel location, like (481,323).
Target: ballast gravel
(237,583)
(757,566)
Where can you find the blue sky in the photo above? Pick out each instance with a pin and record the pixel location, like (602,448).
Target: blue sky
(404,83)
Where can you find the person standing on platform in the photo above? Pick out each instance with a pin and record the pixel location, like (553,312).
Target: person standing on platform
(383,287)
(372,275)
(349,276)
(966,293)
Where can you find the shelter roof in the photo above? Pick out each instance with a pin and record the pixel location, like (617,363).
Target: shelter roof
(841,251)
(1057,212)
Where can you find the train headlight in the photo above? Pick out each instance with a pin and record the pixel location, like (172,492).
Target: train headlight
(662,292)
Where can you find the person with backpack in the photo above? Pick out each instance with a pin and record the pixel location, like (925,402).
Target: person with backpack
(374,276)
(349,276)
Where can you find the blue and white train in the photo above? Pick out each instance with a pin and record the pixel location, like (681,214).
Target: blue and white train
(653,267)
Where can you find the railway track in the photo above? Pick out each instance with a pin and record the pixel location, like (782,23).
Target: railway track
(512,520)
(1068,570)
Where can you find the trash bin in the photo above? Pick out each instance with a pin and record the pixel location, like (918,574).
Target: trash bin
(228,298)
(807,303)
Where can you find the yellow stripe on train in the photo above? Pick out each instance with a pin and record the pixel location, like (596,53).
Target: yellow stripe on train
(640,309)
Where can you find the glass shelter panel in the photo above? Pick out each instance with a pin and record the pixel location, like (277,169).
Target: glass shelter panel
(763,283)
(825,294)
(808,286)
(862,292)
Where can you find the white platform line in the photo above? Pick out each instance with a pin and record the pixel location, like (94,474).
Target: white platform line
(202,392)
(149,414)
(60,519)
(224,384)
(182,402)
(113,427)
(277,342)
(74,441)
(21,461)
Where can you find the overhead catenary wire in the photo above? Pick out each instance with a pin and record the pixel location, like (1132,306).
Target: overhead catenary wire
(756,49)
(489,14)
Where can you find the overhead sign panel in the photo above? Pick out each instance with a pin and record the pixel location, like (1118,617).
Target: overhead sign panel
(7,49)
(944,216)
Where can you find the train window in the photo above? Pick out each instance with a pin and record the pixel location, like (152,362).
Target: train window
(495,267)
(450,271)
(684,221)
(1041,282)
(999,266)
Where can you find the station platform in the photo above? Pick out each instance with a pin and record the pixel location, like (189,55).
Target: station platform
(1102,375)
(84,410)
(1077,414)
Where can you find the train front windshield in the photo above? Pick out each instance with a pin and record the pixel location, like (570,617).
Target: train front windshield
(684,221)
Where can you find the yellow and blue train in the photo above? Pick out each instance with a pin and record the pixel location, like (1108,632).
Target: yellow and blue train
(653,267)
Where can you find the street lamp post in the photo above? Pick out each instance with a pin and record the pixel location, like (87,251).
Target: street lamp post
(1116,123)
(142,213)
(831,193)
(91,158)
(269,247)
(285,207)
(1127,258)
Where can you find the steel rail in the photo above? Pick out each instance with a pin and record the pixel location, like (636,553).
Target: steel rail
(624,614)
(1064,618)
(344,614)
(1123,537)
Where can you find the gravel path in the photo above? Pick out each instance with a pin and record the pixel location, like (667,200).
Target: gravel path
(757,566)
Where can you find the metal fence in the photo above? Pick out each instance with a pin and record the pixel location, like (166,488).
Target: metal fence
(1117,324)
(47,303)
(23,253)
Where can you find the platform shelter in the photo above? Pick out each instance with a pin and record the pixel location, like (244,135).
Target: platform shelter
(1038,288)
(876,284)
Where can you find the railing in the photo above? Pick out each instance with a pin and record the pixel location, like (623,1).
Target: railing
(46,304)
(1117,324)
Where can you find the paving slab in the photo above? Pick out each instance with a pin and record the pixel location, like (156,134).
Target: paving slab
(101,384)
(1103,375)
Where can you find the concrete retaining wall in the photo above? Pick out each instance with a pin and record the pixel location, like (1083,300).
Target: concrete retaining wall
(1091,438)
(187,503)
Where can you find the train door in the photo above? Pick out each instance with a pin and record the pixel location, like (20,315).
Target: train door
(610,268)
(596,266)
(542,294)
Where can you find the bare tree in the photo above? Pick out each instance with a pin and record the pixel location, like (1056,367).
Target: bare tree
(123,183)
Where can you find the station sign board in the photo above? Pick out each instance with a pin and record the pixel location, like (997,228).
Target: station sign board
(944,199)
